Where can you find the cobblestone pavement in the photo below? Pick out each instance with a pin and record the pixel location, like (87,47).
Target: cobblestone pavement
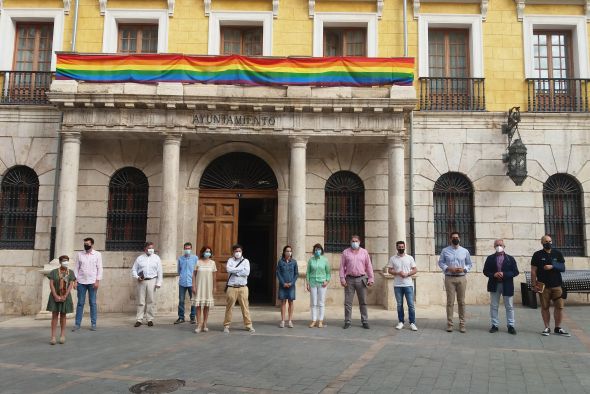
(300,359)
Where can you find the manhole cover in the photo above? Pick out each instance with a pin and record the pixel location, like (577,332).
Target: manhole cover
(157,386)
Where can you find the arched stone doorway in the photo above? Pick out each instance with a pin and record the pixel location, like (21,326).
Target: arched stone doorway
(238,203)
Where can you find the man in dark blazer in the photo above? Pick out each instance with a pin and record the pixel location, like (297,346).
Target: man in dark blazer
(501,268)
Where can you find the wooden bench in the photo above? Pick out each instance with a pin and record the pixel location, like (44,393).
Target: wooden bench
(574,281)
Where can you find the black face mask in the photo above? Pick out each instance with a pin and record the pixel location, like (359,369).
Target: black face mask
(547,245)
(455,241)
(401,251)
(87,247)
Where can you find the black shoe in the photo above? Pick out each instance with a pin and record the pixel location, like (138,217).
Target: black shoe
(346,325)
(366,326)
(137,324)
(193,321)
(150,324)
(562,332)
(494,329)
(511,330)
(179,320)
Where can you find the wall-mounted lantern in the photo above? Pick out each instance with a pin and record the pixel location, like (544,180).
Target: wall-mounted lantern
(516,150)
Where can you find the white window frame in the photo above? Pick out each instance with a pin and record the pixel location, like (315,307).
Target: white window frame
(344,19)
(451,21)
(217,19)
(11,16)
(575,24)
(113,17)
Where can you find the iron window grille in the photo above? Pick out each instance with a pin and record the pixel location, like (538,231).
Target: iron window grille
(562,202)
(453,211)
(19,195)
(238,170)
(345,210)
(127,210)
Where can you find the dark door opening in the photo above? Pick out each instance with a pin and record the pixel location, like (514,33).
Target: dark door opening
(256,233)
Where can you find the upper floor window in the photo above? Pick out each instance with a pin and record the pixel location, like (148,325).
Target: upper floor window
(564,215)
(19,194)
(237,40)
(345,41)
(453,210)
(33,48)
(448,51)
(345,210)
(138,38)
(127,210)
(552,54)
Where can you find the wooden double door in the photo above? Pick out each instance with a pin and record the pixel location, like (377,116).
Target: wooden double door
(227,217)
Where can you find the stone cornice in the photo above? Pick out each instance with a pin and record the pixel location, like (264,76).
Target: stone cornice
(521,4)
(484,5)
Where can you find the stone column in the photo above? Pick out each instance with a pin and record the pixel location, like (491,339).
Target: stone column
(297,196)
(67,195)
(169,205)
(396,193)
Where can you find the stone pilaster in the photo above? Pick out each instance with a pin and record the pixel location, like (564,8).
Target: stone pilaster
(169,210)
(297,196)
(396,193)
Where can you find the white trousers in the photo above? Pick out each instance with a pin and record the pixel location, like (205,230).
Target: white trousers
(146,299)
(317,300)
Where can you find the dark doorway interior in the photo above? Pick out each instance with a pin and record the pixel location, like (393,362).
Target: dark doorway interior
(256,233)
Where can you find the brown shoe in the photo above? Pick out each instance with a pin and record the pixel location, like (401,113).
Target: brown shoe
(462,329)
(62,340)
(449,328)
(312,324)
(320,324)
(53,341)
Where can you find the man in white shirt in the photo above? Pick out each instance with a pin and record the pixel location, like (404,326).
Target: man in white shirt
(88,271)
(403,266)
(147,270)
(238,269)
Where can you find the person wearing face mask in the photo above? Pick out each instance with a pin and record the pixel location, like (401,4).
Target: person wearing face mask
(147,270)
(547,265)
(185,267)
(287,273)
(317,277)
(238,269)
(356,273)
(204,279)
(61,281)
(455,263)
(501,268)
(88,271)
(403,266)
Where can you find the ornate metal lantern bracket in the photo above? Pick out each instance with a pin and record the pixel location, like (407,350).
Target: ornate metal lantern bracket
(516,151)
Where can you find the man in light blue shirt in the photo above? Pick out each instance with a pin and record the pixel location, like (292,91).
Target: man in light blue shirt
(455,263)
(185,267)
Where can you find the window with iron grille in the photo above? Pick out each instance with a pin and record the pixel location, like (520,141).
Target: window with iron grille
(564,216)
(453,211)
(127,211)
(345,210)
(19,194)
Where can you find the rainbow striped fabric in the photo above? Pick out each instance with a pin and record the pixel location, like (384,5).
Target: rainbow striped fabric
(236,70)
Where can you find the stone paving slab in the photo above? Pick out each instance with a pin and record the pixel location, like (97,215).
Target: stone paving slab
(301,360)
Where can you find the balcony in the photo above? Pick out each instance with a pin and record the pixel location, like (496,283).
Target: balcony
(25,87)
(452,94)
(558,95)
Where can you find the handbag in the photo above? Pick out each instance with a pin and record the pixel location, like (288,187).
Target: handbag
(229,276)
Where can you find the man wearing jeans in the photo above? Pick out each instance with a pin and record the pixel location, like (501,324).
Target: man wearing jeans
(455,263)
(88,271)
(403,266)
(185,267)
(500,268)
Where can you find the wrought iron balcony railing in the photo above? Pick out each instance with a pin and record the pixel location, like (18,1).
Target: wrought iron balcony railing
(452,94)
(25,87)
(558,95)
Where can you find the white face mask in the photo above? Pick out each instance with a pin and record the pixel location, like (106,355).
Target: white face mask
(499,249)
(150,251)
(237,255)
(355,245)
(65,263)
(288,254)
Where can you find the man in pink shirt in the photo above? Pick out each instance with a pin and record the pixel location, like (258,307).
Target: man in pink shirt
(356,273)
(88,270)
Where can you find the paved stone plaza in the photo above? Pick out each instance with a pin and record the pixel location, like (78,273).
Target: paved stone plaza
(301,360)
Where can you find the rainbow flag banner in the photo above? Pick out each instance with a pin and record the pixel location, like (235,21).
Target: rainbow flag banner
(236,70)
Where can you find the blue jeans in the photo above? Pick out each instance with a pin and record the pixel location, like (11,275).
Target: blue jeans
(181,297)
(408,291)
(82,289)
(495,303)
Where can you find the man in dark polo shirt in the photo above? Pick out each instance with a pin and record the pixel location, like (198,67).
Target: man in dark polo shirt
(547,265)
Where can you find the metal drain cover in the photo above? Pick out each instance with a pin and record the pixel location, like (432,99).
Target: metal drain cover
(157,386)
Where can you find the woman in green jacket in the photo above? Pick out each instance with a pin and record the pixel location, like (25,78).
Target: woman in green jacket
(317,279)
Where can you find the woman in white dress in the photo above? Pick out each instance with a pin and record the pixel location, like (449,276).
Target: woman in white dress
(204,286)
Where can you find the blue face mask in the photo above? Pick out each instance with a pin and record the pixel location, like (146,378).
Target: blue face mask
(187,252)
(317,252)
(207,255)
(355,245)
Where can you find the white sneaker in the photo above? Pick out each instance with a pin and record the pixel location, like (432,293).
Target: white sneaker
(226,330)
(251,330)
(282,325)
(413,327)
(399,326)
